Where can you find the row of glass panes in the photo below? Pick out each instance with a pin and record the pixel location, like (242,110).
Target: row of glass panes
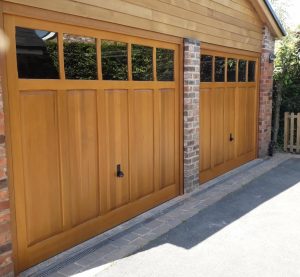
(213,69)
(37,57)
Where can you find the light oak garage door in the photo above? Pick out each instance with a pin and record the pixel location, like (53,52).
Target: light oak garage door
(94,119)
(228,112)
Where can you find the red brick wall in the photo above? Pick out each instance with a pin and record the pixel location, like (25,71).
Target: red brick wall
(265,97)
(6,264)
(191,113)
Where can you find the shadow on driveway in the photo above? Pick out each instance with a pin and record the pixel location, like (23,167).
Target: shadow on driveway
(232,207)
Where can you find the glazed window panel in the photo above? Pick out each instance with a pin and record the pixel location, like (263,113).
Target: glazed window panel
(114,59)
(242,70)
(80,58)
(251,71)
(142,63)
(219,69)
(206,68)
(231,70)
(165,64)
(37,54)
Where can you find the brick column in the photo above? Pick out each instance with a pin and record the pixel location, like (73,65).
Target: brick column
(191,113)
(6,263)
(265,97)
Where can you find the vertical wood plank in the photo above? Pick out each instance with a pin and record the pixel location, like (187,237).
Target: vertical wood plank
(286,130)
(247,70)
(157,139)
(61,118)
(236,138)
(61,56)
(205,129)
(213,68)
(292,130)
(131,163)
(142,143)
(226,65)
(154,64)
(129,61)
(237,70)
(42,199)
(113,149)
(99,58)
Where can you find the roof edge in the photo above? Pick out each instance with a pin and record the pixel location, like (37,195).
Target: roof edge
(274,15)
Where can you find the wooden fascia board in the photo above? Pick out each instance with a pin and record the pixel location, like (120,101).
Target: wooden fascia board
(267,18)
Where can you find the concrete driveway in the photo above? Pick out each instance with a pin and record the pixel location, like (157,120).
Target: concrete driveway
(254,231)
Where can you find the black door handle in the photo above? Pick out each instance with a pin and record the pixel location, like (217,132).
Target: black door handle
(231,138)
(120,173)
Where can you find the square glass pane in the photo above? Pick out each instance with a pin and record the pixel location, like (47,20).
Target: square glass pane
(251,71)
(206,68)
(242,70)
(165,64)
(114,60)
(37,54)
(142,63)
(231,70)
(80,57)
(219,69)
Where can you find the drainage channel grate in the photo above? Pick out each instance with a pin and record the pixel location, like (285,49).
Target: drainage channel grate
(68,260)
(56,266)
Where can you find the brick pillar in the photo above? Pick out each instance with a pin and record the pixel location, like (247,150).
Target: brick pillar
(6,263)
(191,113)
(265,97)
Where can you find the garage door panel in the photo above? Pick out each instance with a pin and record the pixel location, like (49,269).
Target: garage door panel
(205,125)
(229,123)
(41,162)
(142,142)
(242,102)
(167,137)
(228,99)
(114,143)
(79,158)
(250,119)
(218,126)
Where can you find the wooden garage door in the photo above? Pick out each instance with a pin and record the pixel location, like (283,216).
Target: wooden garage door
(228,112)
(94,120)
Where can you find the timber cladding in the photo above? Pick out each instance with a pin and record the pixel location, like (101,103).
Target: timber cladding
(235,24)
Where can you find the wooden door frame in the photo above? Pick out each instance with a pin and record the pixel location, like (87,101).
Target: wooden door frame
(7,9)
(8,150)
